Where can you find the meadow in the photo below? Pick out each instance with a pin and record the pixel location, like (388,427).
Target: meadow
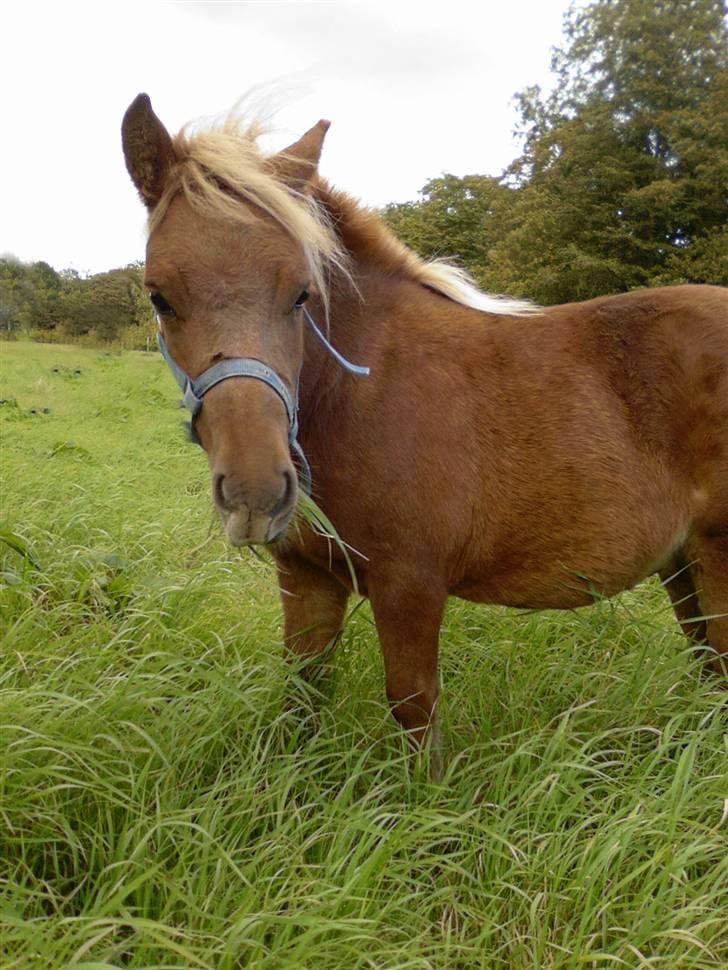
(172,795)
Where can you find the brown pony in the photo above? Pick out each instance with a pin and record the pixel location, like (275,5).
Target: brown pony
(498,452)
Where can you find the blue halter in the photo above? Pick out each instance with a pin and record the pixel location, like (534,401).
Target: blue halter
(193,391)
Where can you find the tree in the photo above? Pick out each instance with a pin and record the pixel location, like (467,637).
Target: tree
(454,219)
(40,297)
(108,306)
(622,180)
(12,288)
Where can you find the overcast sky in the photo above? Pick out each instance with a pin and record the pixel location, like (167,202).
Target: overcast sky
(412,90)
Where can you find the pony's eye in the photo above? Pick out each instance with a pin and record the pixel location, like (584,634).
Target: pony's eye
(301,300)
(160,305)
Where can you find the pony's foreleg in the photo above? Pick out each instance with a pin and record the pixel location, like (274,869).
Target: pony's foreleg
(314,603)
(408,618)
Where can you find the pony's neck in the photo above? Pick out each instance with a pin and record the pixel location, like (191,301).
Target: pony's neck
(370,244)
(376,258)
(388,286)
(347,294)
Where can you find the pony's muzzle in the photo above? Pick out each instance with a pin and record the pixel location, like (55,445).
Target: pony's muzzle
(255,513)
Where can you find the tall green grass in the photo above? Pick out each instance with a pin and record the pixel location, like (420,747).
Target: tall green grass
(173,796)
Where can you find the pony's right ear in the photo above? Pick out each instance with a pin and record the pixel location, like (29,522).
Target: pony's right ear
(298,164)
(148,150)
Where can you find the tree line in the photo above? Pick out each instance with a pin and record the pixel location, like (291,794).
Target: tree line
(622,182)
(43,304)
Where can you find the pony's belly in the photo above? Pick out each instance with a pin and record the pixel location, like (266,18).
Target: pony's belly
(546,589)
(563,579)
(561,542)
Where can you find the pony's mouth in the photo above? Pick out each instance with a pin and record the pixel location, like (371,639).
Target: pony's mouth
(243,528)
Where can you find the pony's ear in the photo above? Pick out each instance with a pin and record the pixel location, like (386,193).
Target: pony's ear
(297,164)
(148,149)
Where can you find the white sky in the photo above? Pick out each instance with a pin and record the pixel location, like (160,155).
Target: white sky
(413,90)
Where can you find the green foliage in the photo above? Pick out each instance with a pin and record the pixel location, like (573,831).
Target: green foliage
(11,285)
(629,154)
(456,218)
(622,180)
(173,795)
(29,296)
(106,308)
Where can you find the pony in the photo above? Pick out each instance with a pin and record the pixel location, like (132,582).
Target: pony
(496,451)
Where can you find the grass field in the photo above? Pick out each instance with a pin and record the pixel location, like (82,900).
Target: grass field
(172,796)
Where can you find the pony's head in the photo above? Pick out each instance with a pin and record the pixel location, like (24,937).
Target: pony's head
(236,244)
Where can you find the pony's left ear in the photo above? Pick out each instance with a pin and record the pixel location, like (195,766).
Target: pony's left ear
(298,164)
(148,150)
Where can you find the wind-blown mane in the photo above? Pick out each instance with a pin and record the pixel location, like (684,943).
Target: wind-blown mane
(364,232)
(218,166)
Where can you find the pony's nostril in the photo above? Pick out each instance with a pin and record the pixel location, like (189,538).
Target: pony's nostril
(217,489)
(289,483)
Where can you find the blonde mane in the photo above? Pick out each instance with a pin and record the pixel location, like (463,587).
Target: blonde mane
(217,167)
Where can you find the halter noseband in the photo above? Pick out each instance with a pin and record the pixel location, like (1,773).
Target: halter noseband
(193,390)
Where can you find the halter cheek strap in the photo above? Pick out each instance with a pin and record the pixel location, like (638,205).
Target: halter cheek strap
(193,390)
(339,358)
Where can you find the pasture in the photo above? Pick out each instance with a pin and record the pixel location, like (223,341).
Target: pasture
(172,795)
